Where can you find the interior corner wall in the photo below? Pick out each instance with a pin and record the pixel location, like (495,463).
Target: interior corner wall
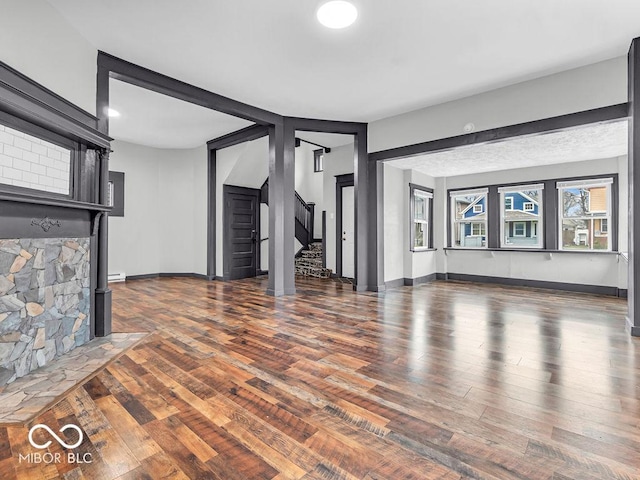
(164,229)
(338,162)
(395,222)
(593,86)
(37,40)
(399,261)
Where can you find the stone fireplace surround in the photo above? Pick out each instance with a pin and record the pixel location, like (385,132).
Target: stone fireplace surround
(45,292)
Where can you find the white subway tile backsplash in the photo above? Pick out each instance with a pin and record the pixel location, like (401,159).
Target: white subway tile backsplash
(22,143)
(39,149)
(20,164)
(30,177)
(6,138)
(12,173)
(31,157)
(30,162)
(13,151)
(54,153)
(39,169)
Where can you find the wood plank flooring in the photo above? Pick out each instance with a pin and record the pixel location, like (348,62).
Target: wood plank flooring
(441,381)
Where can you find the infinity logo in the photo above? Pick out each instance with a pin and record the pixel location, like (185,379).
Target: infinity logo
(53,434)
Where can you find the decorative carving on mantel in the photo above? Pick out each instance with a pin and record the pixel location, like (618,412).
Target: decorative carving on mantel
(46,223)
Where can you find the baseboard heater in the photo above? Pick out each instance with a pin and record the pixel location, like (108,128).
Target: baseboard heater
(117,277)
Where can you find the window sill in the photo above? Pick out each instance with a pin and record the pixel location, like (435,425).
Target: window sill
(420,250)
(532,250)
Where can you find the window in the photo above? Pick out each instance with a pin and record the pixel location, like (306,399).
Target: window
(508,203)
(421,213)
(318,160)
(115,194)
(477,229)
(584,208)
(520,225)
(469,218)
(604,226)
(519,229)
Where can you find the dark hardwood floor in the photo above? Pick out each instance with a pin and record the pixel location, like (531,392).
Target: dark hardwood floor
(440,381)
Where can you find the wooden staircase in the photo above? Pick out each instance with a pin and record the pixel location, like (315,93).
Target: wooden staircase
(304,212)
(309,263)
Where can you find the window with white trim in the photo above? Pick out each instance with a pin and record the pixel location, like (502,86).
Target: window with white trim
(508,203)
(469,218)
(521,216)
(584,207)
(421,211)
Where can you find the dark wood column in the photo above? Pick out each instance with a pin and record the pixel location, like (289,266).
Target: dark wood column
(365,193)
(211,213)
(633,320)
(281,209)
(103,293)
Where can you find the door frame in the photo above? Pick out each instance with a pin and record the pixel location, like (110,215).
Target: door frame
(226,240)
(342,181)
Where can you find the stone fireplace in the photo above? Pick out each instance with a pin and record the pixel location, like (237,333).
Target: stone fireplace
(45,301)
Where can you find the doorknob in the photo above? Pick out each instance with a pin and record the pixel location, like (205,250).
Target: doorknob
(253,235)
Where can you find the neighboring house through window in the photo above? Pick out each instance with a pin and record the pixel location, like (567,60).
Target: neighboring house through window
(521,216)
(469,218)
(584,213)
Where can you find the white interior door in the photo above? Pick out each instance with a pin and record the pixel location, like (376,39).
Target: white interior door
(348,232)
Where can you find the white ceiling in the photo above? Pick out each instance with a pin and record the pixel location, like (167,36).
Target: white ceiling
(591,142)
(156,120)
(399,55)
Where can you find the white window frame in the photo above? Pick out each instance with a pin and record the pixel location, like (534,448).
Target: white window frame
(481,226)
(586,183)
(604,231)
(502,192)
(524,229)
(528,207)
(510,206)
(452,223)
(417,191)
(477,208)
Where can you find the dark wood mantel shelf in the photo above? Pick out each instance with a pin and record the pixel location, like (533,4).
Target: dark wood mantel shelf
(55,202)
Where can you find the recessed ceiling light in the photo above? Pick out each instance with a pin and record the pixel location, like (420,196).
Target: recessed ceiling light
(113,113)
(337,14)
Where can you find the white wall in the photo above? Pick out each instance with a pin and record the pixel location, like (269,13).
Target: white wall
(38,42)
(164,229)
(399,261)
(338,162)
(395,222)
(584,268)
(593,86)
(309,184)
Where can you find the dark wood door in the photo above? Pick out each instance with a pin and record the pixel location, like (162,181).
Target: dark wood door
(242,220)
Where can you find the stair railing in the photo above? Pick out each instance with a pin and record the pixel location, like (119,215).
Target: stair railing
(305,213)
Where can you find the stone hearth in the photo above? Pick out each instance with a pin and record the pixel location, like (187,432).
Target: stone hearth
(44,302)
